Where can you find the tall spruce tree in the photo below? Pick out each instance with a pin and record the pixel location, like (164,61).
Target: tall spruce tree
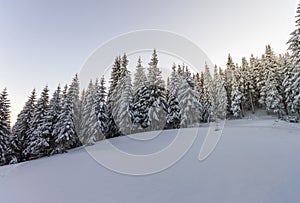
(189,102)
(40,129)
(294,47)
(102,109)
(157,98)
(20,136)
(173,112)
(5,151)
(55,110)
(219,97)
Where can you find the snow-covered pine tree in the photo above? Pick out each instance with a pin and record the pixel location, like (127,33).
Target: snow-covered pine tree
(294,47)
(102,109)
(65,127)
(80,127)
(140,102)
(206,97)
(40,129)
(122,99)
(268,65)
(86,125)
(20,137)
(288,67)
(157,99)
(77,117)
(273,100)
(228,78)
(189,102)
(173,112)
(55,110)
(251,90)
(5,151)
(64,93)
(115,76)
(272,92)
(140,77)
(96,130)
(236,99)
(219,97)
(90,129)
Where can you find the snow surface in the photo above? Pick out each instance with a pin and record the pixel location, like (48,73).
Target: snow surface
(255,161)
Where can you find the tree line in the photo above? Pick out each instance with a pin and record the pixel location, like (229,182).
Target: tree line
(69,119)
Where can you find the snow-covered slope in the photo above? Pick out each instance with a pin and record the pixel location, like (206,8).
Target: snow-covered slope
(255,161)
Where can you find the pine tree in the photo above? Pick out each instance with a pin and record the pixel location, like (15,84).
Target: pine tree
(189,103)
(5,151)
(219,97)
(294,47)
(90,128)
(288,68)
(228,78)
(87,105)
(102,109)
(140,77)
(140,102)
(40,129)
(55,110)
(236,99)
(173,112)
(122,99)
(77,117)
(115,76)
(206,97)
(20,136)
(157,101)
(65,128)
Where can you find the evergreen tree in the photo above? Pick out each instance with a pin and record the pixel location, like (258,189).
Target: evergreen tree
(65,129)
(140,77)
(102,109)
(5,151)
(77,117)
(20,136)
(40,129)
(157,101)
(115,76)
(294,47)
(206,97)
(228,78)
(219,99)
(90,128)
(236,99)
(189,103)
(173,112)
(55,110)
(288,68)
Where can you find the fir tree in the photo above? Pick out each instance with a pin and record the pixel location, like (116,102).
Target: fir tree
(189,103)
(218,96)
(102,109)
(5,151)
(55,110)
(40,129)
(228,78)
(173,112)
(20,136)
(140,77)
(294,47)
(206,97)
(157,101)
(236,99)
(65,129)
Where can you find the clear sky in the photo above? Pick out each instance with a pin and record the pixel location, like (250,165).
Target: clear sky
(47,42)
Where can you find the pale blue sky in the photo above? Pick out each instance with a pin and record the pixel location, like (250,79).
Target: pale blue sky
(46,42)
